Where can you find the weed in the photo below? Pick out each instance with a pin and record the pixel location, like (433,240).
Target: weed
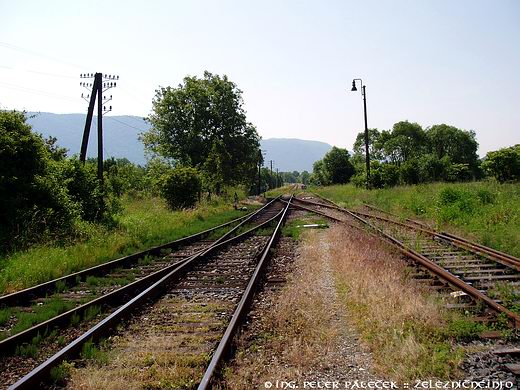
(40,313)
(91,312)
(26,350)
(91,352)
(294,228)
(60,373)
(5,315)
(61,286)
(147,260)
(75,319)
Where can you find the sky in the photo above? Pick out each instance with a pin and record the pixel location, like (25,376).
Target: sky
(426,61)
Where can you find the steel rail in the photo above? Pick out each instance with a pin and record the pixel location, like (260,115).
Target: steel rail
(42,372)
(8,345)
(453,236)
(481,250)
(441,272)
(243,306)
(396,216)
(25,295)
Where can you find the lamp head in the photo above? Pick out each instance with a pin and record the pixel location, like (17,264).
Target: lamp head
(354,86)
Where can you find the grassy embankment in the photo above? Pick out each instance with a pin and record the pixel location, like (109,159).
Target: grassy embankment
(144,222)
(487,212)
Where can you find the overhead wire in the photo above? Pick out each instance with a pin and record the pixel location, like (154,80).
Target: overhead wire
(123,123)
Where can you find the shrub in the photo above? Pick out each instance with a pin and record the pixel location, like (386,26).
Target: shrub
(409,172)
(33,201)
(459,172)
(503,164)
(180,187)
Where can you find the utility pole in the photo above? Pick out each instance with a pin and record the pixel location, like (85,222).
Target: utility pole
(271,177)
(277,178)
(100,85)
(367,156)
(259,168)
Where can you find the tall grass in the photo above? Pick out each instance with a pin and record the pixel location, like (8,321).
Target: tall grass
(404,325)
(145,222)
(487,211)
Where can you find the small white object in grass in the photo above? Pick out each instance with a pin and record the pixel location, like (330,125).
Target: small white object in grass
(456,294)
(313,225)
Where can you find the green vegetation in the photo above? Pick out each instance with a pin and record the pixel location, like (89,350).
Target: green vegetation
(504,164)
(202,124)
(144,222)
(92,352)
(487,211)
(60,373)
(294,228)
(39,313)
(409,154)
(334,168)
(181,187)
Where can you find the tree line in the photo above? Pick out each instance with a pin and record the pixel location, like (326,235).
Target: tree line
(409,154)
(199,144)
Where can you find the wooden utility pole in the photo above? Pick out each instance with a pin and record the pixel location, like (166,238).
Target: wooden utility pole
(100,85)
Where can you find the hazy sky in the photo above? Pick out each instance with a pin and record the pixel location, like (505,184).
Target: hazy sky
(427,61)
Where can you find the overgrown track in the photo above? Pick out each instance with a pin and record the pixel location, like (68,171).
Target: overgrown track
(215,277)
(482,273)
(41,309)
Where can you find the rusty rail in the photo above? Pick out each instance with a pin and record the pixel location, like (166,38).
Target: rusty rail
(432,266)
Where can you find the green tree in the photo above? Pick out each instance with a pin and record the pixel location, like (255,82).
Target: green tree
(458,145)
(374,145)
(305,177)
(406,141)
(202,124)
(337,166)
(503,164)
(319,174)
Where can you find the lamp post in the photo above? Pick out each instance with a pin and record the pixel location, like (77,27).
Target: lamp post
(367,156)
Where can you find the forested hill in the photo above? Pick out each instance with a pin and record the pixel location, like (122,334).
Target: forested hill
(121,140)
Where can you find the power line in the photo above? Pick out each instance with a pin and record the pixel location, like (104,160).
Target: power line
(123,123)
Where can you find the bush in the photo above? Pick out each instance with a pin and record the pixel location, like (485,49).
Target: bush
(43,195)
(33,202)
(503,164)
(459,172)
(409,172)
(180,187)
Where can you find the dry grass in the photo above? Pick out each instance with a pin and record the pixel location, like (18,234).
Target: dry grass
(171,351)
(297,331)
(402,323)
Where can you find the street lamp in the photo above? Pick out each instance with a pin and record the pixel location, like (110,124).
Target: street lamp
(363,93)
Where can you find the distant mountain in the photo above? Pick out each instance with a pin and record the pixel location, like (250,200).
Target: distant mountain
(120,133)
(120,139)
(291,154)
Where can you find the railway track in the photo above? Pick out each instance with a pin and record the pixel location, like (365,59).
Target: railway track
(58,303)
(219,276)
(474,272)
